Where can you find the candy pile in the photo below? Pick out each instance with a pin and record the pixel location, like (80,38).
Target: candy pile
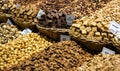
(21,48)
(62,56)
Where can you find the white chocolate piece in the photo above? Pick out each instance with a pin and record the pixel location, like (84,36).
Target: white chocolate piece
(84,32)
(97,34)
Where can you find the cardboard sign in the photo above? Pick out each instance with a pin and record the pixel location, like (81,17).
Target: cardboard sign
(107,51)
(69,19)
(26,31)
(114,27)
(9,22)
(40,13)
(65,38)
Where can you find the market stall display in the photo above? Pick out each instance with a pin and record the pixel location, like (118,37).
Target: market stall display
(57,11)
(60,14)
(25,12)
(94,24)
(94,29)
(62,56)
(102,63)
(21,48)
(90,31)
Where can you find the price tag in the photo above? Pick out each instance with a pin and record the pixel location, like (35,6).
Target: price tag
(69,19)
(9,22)
(107,51)
(26,31)
(40,13)
(64,37)
(114,27)
(17,6)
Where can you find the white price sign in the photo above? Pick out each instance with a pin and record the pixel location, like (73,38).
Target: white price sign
(40,13)
(69,19)
(17,6)
(114,27)
(64,37)
(107,51)
(9,22)
(26,31)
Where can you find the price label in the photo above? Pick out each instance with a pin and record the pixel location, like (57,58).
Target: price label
(17,6)
(69,19)
(9,22)
(40,13)
(107,51)
(65,38)
(26,31)
(114,27)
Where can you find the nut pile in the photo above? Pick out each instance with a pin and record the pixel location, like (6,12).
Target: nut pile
(79,8)
(26,2)
(21,48)
(102,63)
(62,56)
(8,33)
(110,12)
